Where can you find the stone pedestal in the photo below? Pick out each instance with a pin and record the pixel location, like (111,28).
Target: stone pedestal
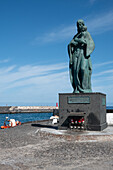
(92,106)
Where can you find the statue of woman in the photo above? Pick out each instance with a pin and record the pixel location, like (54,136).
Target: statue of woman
(79,50)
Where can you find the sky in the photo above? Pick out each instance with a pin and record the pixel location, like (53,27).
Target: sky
(34,62)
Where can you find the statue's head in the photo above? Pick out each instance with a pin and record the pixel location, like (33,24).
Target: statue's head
(80,25)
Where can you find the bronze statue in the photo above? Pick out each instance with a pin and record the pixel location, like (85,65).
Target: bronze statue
(79,50)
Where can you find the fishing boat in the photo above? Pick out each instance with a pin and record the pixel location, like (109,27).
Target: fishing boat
(10,123)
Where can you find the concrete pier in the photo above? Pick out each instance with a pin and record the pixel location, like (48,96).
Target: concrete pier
(27,109)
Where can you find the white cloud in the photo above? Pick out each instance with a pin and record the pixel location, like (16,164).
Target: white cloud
(6,70)
(104,72)
(59,34)
(102,64)
(100,23)
(31,75)
(4,61)
(96,25)
(102,81)
(104,76)
(42,83)
(28,71)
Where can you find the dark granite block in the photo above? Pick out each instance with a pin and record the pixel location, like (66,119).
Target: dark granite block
(92,106)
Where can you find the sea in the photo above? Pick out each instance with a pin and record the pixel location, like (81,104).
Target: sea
(109,107)
(25,117)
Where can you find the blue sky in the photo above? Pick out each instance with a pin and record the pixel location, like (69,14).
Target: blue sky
(34,35)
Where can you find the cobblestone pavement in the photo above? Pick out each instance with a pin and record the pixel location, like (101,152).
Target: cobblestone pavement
(32,147)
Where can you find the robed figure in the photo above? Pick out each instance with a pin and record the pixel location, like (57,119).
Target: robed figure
(79,50)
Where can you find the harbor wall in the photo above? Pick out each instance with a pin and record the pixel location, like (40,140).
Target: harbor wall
(27,109)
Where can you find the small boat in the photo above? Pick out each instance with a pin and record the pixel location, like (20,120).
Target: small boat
(10,123)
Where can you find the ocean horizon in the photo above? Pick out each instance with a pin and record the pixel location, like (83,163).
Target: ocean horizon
(26,104)
(110,106)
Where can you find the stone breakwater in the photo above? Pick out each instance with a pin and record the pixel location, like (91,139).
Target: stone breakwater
(27,109)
